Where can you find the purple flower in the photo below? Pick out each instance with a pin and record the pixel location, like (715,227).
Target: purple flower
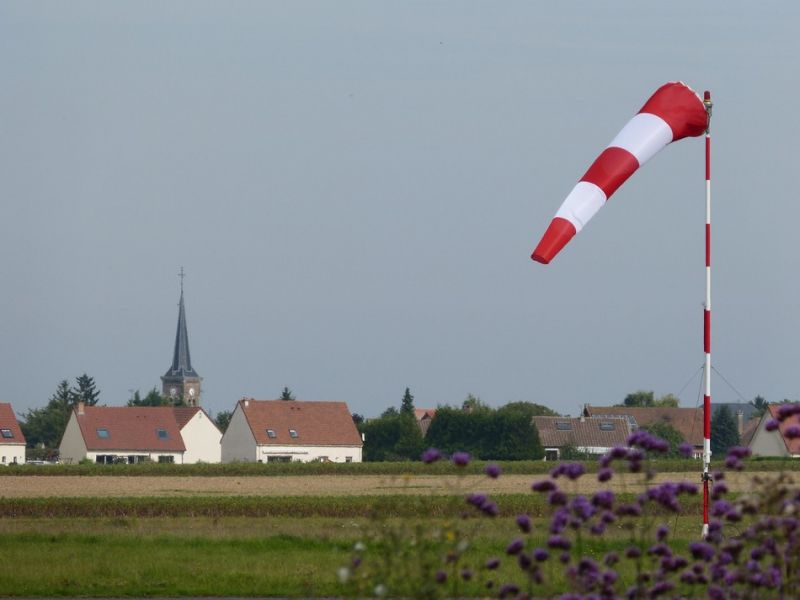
(686,450)
(772,425)
(540,555)
(633,552)
(557,498)
(604,474)
(611,559)
(662,587)
(718,490)
(544,485)
(791,432)
(608,517)
(787,410)
(492,563)
(661,532)
(524,561)
(739,451)
(603,499)
(720,508)
(490,509)
(581,508)
(431,455)
(557,541)
(515,547)
(492,471)
(477,500)
(508,589)
(574,470)
(466,574)
(524,523)
(734,463)
(460,459)
(441,576)
(701,551)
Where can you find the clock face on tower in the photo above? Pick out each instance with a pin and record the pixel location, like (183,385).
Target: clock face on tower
(191,392)
(173,392)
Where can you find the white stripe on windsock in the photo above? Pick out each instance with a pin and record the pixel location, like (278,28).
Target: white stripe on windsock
(583,202)
(643,136)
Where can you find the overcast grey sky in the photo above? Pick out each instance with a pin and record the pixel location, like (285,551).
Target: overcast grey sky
(354,190)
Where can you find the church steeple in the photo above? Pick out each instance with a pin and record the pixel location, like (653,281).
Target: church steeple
(181,381)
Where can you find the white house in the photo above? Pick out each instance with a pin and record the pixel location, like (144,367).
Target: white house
(107,434)
(12,442)
(775,443)
(291,430)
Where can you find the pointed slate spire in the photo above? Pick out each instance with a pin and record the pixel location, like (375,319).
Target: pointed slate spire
(181,358)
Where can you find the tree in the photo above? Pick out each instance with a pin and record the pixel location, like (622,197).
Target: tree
(394,437)
(724,431)
(45,426)
(154,398)
(668,433)
(529,408)
(760,406)
(286,394)
(473,403)
(646,398)
(390,412)
(86,390)
(407,405)
(223,419)
(357,419)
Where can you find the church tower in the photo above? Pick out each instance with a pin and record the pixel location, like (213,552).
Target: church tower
(181,381)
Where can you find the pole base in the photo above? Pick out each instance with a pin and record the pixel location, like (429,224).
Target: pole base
(705,530)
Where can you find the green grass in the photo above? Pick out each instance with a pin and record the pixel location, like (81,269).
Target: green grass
(525,467)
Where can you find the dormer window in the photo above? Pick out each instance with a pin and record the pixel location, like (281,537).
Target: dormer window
(606,427)
(293,433)
(102,433)
(271,433)
(563,425)
(162,434)
(7,433)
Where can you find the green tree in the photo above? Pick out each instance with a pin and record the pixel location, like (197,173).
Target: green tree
(394,437)
(473,404)
(390,412)
(639,398)
(223,419)
(529,408)
(724,431)
(45,426)
(86,390)
(667,401)
(667,433)
(407,405)
(357,419)
(760,405)
(153,398)
(286,394)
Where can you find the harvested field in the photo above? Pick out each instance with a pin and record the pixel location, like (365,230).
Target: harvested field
(327,485)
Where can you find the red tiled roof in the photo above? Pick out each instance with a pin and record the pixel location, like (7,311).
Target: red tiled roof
(584,432)
(316,423)
(687,421)
(184,414)
(792,445)
(421,413)
(8,420)
(131,428)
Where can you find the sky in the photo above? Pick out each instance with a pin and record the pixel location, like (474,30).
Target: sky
(354,189)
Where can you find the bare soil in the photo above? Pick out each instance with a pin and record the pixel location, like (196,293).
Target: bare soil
(327,485)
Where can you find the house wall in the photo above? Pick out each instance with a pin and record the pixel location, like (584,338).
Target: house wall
(177,457)
(202,440)
(238,443)
(308,453)
(767,443)
(12,453)
(72,448)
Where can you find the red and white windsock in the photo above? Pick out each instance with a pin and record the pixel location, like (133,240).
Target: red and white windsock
(674,112)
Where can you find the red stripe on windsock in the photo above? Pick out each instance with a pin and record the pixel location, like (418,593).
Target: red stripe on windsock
(611,169)
(707,331)
(707,417)
(680,107)
(708,158)
(554,239)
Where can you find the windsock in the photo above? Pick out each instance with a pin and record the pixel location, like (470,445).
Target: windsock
(674,112)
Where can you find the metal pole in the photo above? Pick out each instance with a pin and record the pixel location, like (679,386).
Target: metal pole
(707,326)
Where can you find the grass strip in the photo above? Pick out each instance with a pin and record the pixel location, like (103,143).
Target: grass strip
(287,506)
(523,467)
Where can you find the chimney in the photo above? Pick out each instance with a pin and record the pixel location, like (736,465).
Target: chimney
(246,402)
(740,421)
(81,408)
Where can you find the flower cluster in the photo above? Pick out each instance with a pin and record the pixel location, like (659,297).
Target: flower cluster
(602,545)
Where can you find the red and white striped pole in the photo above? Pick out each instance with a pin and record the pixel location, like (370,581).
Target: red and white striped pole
(707,325)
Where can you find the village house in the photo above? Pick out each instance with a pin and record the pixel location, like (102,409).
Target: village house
(291,430)
(588,435)
(12,442)
(688,422)
(424,416)
(775,443)
(133,434)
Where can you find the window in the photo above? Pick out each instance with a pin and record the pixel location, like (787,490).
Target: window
(166,459)
(4,459)
(162,434)
(279,459)
(348,459)
(7,433)
(102,433)
(606,427)
(293,433)
(271,433)
(563,425)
